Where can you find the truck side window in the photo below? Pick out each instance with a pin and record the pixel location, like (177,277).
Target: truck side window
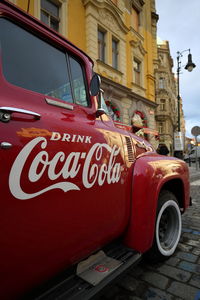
(33,64)
(78,82)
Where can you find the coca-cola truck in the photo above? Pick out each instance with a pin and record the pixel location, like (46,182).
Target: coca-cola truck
(82,199)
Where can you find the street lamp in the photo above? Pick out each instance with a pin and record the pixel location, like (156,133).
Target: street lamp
(190,66)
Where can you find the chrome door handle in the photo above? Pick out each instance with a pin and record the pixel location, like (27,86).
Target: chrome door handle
(5,145)
(9,110)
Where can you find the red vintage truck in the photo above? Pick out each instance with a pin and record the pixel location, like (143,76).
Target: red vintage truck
(81,199)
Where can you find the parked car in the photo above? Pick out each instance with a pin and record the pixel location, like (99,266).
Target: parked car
(193,154)
(81,199)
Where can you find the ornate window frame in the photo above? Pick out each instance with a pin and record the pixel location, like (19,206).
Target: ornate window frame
(63,14)
(162,104)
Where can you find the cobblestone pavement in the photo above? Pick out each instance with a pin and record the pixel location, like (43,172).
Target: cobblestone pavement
(177,278)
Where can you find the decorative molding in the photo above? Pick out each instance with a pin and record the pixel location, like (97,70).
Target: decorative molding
(109,14)
(139,36)
(109,67)
(140,89)
(151,77)
(126,92)
(103,3)
(138,44)
(162,92)
(154,16)
(138,4)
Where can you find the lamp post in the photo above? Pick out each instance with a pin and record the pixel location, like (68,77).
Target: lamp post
(190,66)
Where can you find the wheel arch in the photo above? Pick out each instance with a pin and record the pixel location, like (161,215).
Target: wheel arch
(176,187)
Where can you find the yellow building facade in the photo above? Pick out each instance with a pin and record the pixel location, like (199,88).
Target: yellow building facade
(120,37)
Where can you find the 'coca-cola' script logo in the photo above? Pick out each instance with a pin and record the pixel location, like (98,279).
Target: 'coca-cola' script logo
(92,173)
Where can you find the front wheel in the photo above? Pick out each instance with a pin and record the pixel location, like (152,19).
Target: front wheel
(167,228)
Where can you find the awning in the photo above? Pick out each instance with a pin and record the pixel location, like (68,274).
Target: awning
(130,128)
(123,126)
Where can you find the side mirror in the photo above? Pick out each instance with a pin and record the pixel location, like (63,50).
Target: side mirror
(95,85)
(95,89)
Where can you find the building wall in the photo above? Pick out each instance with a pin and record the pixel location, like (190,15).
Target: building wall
(134,43)
(132,23)
(166,97)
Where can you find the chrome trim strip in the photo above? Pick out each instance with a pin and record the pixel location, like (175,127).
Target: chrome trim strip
(59,104)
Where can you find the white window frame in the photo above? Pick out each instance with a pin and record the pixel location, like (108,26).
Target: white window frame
(162,83)
(63,14)
(116,53)
(163,104)
(137,80)
(105,33)
(161,127)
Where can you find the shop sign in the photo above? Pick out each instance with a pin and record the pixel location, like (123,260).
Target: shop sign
(178,141)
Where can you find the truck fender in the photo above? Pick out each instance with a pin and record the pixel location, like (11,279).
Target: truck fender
(149,176)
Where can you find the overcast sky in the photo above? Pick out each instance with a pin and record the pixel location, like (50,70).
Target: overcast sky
(179,24)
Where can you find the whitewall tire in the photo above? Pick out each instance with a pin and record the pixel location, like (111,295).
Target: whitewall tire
(167,228)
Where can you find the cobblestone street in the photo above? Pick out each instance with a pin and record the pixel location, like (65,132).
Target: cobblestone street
(177,278)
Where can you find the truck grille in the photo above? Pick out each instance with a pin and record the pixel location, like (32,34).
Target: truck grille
(129,149)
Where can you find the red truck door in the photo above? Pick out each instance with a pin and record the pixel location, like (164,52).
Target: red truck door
(62,178)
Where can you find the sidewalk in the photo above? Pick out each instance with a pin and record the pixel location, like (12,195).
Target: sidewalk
(194,173)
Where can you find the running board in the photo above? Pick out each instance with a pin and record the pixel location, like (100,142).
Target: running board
(93,275)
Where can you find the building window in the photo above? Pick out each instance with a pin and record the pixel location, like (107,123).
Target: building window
(135,19)
(50,14)
(160,128)
(115,45)
(137,71)
(102,45)
(162,104)
(161,83)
